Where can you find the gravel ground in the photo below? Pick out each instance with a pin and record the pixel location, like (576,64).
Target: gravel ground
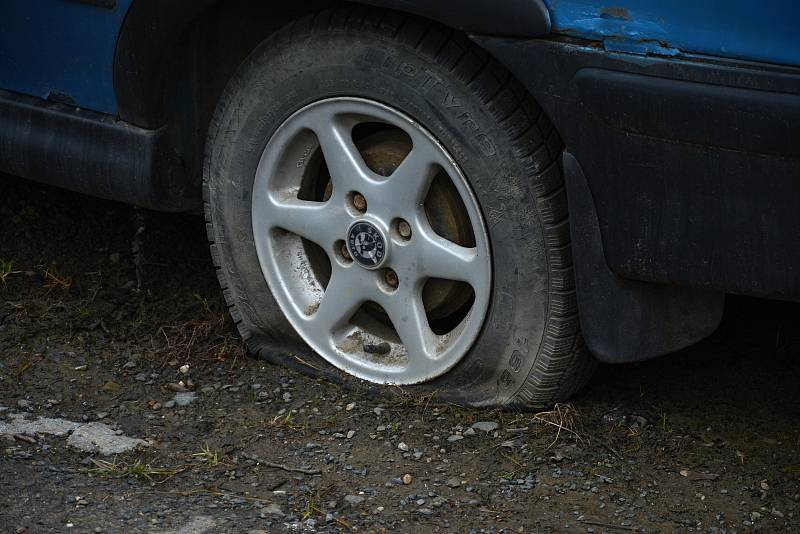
(113,335)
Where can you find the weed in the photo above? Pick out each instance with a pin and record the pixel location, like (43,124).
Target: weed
(209,456)
(6,270)
(562,418)
(287,421)
(137,469)
(54,280)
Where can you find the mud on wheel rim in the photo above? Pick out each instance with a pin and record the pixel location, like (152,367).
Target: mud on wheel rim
(371,241)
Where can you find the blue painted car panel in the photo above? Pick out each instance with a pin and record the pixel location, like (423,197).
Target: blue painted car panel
(738,29)
(64,49)
(61,47)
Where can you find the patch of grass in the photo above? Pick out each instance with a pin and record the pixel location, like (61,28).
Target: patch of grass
(136,469)
(54,280)
(288,421)
(208,456)
(562,419)
(6,270)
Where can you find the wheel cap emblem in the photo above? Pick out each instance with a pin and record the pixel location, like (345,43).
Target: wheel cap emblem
(366,244)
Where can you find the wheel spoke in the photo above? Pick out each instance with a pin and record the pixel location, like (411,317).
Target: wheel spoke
(344,161)
(441,258)
(409,183)
(315,221)
(346,291)
(407,312)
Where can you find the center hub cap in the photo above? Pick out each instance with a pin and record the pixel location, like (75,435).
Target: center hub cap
(366,244)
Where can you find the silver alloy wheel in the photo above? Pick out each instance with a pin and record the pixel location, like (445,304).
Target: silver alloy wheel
(330,259)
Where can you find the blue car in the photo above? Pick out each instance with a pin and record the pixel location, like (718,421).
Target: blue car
(479,199)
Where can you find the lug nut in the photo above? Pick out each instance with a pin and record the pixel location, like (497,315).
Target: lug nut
(404,229)
(360,202)
(391,278)
(346,253)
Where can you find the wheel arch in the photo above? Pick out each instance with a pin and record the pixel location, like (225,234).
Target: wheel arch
(159,37)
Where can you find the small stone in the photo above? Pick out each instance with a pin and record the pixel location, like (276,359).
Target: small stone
(469,432)
(25,404)
(407,478)
(350,406)
(129,365)
(486,426)
(684,472)
(141,377)
(350,434)
(453,482)
(184,398)
(111,387)
(287,397)
(455,437)
(402,446)
(377,411)
(184,369)
(272,509)
(169,404)
(354,500)
(100,438)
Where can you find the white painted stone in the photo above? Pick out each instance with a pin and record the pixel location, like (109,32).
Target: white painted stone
(101,438)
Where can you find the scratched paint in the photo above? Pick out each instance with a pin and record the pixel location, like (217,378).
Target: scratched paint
(757,31)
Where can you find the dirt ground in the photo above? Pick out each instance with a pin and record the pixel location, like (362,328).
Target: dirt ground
(107,313)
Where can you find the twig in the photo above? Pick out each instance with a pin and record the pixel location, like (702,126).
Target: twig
(610,525)
(309,471)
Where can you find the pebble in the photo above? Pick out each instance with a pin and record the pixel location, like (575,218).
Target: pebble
(272,509)
(25,404)
(402,446)
(350,406)
(287,397)
(184,398)
(350,434)
(455,437)
(486,426)
(453,482)
(354,500)
(407,478)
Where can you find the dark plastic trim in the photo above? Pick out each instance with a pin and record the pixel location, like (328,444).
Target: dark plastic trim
(506,18)
(153,28)
(626,320)
(693,162)
(92,153)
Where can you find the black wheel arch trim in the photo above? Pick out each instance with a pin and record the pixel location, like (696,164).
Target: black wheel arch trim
(153,28)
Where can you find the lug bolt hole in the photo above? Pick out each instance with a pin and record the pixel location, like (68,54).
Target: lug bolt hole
(343,253)
(403,230)
(358,202)
(391,279)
